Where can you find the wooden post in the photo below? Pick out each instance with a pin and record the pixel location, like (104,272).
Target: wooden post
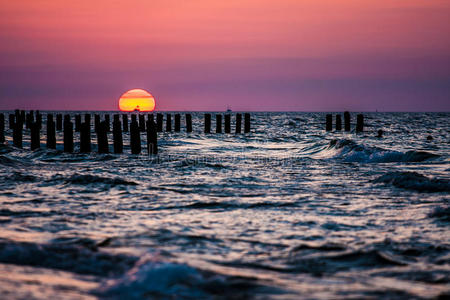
(39,119)
(21,115)
(218,123)
(18,119)
(329,122)
(17,133)
(207,123)
(246,122)
(150,117)
(188,123)
(346,121)
(338,123)
(35,136)
(238,123)
(133,118)
(96,122)
(141,123)
(68,134)
(85,137)
(117,135)
(59,122)
(168,122)
(2,128)
(51,134)
(102,137)
(11,121)
(135,137)
(77,123)
(159,122)
(108,123)
(177,122)
(227,123)
(125,122)
(152,138)
(29,119)
(360,123)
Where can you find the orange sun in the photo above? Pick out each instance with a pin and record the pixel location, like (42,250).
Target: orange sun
(137,100)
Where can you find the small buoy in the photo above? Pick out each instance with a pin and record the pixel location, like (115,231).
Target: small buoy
(429,138)
(380,133)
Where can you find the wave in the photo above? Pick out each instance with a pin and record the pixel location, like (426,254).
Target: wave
(351,151)
(90,179)
(414,181)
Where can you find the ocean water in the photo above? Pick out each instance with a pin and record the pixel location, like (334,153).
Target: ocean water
(288,211)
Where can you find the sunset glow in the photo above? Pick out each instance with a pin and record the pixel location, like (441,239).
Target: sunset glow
(137,99)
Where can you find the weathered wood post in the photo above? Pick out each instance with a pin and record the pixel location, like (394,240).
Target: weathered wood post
(96,122)
(77,123)
(85,135)
(11,121)
(135,137)
(188,123)
(21,114)
(177,122)
(133,118)
(68,134)
(51,134)
(346,121)
(59,123)
(207,123)
(108,123)
(117,135)
(125,122)
(159,122)
(246,122)
(141,122)
(238,123)
(102,137)
(35,136)
(18,118)
(338,123)
(168,122)
(227,123)
(360,123)
(2,128)
(329,122)
(218,123)
(17,133)
(29,119)
(150,117)
(39,119)
(152,138)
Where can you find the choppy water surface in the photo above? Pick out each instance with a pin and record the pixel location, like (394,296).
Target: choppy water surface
(287,211)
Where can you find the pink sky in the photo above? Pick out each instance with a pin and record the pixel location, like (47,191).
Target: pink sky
(312,55)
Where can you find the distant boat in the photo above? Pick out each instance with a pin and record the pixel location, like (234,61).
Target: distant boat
(229,109)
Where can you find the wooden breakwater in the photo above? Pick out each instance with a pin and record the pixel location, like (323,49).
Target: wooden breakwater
(141,123)
(347,122)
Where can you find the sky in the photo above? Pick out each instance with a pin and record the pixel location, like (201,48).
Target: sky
(250,55)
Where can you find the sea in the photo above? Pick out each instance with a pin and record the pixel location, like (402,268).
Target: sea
(287,211)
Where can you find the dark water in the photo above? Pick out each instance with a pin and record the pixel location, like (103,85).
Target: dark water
(287,211)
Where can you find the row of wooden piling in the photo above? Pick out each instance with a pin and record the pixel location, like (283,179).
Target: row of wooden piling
(347,124)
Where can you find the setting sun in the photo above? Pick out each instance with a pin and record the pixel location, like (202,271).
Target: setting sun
(137,100)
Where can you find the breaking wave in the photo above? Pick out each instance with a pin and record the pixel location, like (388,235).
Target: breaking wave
(414,181)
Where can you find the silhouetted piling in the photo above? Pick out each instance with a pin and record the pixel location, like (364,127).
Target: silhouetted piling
(329,122)
(17,132)
(142,123)
(338,123)
(21,114)
(177,122)
(159,122)
(51,134)
(108,123)
(346,121)
(117,135)
(59,123)
(150,117)
(360,123)
(125,123)
(12,118)
(134,119)
(238,123)
(227,123)
(29,119)
(152,138)
(35,136)
(207,123)
(218,123)
(68,134)
(246,122)
(168,122)
(2,128)
(102,137)
(77,123)
(135,137)
(39,119)
(96,122)
(85,137)
(188,123)
(19,120)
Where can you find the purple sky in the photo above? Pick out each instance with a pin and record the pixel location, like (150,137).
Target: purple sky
(310,55)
